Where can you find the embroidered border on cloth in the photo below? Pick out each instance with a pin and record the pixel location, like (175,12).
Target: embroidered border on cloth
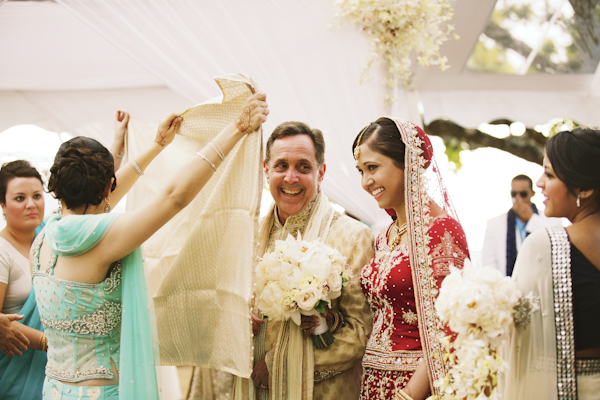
(417,202)
(322,375)
(444,254)
(401,360)
(587,367)
(563,311)
(78,376)
(99,323)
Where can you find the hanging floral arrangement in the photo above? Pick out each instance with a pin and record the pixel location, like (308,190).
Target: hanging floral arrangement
(395,28)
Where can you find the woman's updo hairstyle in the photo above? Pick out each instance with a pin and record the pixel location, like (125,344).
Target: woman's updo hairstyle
(575,158)
(82,171)
(383,137)
(16,169)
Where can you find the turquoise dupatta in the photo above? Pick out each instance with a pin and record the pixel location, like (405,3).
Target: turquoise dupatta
(74,235)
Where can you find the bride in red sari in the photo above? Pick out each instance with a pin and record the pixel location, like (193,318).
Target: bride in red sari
(404,355)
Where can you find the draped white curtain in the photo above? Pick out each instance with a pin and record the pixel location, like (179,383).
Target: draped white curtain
(310,71)
(68,65)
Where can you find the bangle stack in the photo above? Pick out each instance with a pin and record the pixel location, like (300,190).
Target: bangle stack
(136,167)
(215,146)
(43,344)
(207,160)
(338,321)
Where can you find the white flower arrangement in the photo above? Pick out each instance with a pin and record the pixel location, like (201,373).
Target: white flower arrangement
(395,28)
(300,277)
(480,306)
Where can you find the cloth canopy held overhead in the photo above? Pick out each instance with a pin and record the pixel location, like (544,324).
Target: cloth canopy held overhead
(199,265)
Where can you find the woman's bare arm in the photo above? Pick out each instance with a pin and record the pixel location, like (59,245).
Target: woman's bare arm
(130,230)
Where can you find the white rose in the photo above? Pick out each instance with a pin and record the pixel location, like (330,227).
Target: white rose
(506,293)
(334,281)
(308,297)
(318,265)
(290,279)
(270,301)
(309,280)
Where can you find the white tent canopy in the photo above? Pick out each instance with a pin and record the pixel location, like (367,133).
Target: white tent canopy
(69,65)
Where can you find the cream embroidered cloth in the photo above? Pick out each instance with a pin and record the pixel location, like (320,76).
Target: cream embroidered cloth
(199,265)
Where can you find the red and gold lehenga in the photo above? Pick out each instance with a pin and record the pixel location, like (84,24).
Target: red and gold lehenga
(402,283)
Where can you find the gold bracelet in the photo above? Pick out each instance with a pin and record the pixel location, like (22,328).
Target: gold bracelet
(43,344)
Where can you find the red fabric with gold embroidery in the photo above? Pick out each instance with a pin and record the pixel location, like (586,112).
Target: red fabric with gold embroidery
(394,349)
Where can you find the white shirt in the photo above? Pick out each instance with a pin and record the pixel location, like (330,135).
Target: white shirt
(494,242)
(16,273)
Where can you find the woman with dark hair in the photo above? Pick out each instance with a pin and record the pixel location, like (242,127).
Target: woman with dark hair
(557,355)
(87,265)
(412,257)
(22,377)
(22,201)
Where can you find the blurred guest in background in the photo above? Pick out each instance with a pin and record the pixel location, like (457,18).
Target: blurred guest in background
(505,233)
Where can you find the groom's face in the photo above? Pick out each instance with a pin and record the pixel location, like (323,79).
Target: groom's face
(293,174)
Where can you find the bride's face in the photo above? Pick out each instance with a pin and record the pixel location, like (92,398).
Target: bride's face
(381,178)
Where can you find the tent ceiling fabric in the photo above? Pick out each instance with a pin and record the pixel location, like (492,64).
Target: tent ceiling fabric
(69,65)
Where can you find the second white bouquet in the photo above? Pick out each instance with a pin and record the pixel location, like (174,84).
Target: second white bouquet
(301,277)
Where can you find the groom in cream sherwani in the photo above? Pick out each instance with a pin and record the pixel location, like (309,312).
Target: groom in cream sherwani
(294,167)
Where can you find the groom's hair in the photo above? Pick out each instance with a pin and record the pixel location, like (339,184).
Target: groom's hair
(294,128)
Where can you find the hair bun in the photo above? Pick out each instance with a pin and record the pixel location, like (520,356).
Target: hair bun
(81,173)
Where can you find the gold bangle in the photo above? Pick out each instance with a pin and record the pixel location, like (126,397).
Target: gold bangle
(43,344)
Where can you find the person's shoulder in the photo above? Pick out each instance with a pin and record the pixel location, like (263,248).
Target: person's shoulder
(350,226)
(445,222)
(497,219)
(6,249)
(537,238)
(346,231)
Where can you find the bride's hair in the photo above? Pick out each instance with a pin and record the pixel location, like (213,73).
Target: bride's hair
(82,170)
(383,137)
(575,158)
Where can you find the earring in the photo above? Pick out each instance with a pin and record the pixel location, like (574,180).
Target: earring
(107,208)
(578,200)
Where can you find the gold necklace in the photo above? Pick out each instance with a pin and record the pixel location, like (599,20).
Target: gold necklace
(399,231)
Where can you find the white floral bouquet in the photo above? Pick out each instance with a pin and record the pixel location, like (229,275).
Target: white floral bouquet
(395,28)
(480,306)
(300,277)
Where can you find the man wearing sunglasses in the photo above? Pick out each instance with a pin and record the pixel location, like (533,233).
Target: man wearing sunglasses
(505,233)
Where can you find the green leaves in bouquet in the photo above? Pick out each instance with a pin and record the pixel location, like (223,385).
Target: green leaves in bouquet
(320,306)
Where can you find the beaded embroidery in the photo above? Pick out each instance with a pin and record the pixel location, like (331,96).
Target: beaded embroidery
(563,311)
(322,375)
(98,323)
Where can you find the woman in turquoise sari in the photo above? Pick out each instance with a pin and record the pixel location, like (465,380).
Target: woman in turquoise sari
(22,364)
(88,277)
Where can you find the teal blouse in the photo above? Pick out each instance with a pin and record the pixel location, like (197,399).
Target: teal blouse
(82,321)
(88,325)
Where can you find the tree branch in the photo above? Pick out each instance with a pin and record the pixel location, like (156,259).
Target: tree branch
(529,146)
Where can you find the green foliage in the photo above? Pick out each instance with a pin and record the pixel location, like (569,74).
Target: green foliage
(489,60)
(453,149)
(320,306)
(522,12)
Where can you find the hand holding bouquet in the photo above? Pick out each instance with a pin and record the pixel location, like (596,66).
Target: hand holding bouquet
(300,277)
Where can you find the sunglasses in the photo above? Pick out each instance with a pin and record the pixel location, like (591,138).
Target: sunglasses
(522,193)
